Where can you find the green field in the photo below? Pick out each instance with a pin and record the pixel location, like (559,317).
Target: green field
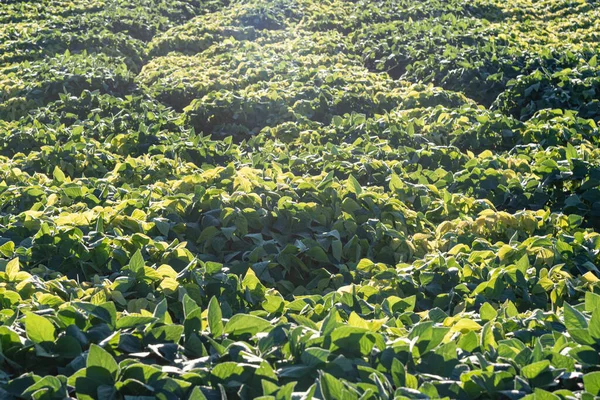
(299,199)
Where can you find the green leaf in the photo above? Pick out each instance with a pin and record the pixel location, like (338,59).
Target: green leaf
(591,383)
(469,341)
(106,312)
(165,334)
(428,389)
(142,373)
(315,356)
(73,191)
(523,264)
(136,262)
(585,355)
(68,347)
(573,318)
(215,317)
(592,301)
(487,337)
(396,183)
(12,269)
(273,304)
(336,249)
(58,175)
(161,310)
(106,392)
(196,394)
(582,336)
(193,323)
(39,329)
(487,312)
(331,387)
(356,341)
(540,394)
(100,358)
(318,254)
(337,121)
(85,387)
(571,152)
(594,325)
(189,305)
(353,185)
(230,374)
(265,372)
(8,339)
(131,321)
(532,371)
(7,249)
(245,324)
(47,382)
(398,373)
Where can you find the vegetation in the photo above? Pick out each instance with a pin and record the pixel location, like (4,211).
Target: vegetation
(285,199)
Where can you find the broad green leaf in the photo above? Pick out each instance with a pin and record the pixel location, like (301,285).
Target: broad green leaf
(273,304)
(230,374)
(245,324)
(197,394)
(142,373)
(106,392)
(318,254)
(356,341)
(48,382)
(131,321)
(336,249)
(582,336)
(161,310)
(331,387)
(12,269)
(585,355)
(353,185)
(136,263)
(315,356)
(193,323)
(571,152)
(189,305)
(465,325)
(100,358)
(39,329)
(540,394)
(487,312)
(58,175)
(591,383)
(592,301)
(7,249)
(469,341)
(215,317)
(165,334)
(532,371)
(487,337)
(398,373)
(396,183)
(68,347)
(523,264)
(73,191)
(573,318)
(594,325)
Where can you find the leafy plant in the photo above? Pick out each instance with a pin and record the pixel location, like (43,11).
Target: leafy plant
(297,199)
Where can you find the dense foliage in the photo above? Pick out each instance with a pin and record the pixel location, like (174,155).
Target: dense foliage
(286,199)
